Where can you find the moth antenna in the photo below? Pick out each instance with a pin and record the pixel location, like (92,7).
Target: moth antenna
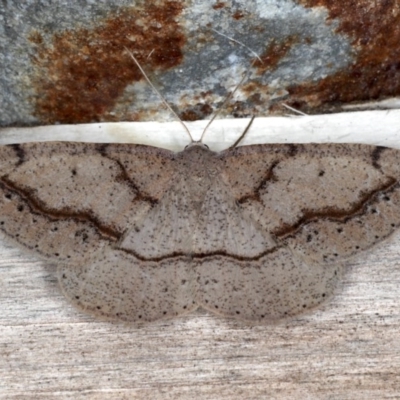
(149,55)
(243,133)
(231,94)
(294,109)
(159,94)
(227,99)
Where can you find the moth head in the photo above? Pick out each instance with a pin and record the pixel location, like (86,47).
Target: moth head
(197,157)
(197,145)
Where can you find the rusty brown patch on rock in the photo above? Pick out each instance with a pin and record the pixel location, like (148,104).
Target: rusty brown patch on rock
(238,15)
(196,112)
(36,37)
(375,31)
(219,5)
(273,54)
(83,73)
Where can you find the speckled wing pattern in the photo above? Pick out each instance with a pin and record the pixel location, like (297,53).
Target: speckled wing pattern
(139,233)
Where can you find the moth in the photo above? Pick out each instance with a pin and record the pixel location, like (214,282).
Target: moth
(139,233)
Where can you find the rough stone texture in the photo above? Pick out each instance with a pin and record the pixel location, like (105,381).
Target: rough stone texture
(65,62)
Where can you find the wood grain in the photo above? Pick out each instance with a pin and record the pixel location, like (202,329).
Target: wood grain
(347,348)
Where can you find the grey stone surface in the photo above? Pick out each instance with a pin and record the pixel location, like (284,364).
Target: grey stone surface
(215,64)
(18,19)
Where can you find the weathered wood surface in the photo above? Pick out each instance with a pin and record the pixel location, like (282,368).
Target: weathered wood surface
(348,348)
